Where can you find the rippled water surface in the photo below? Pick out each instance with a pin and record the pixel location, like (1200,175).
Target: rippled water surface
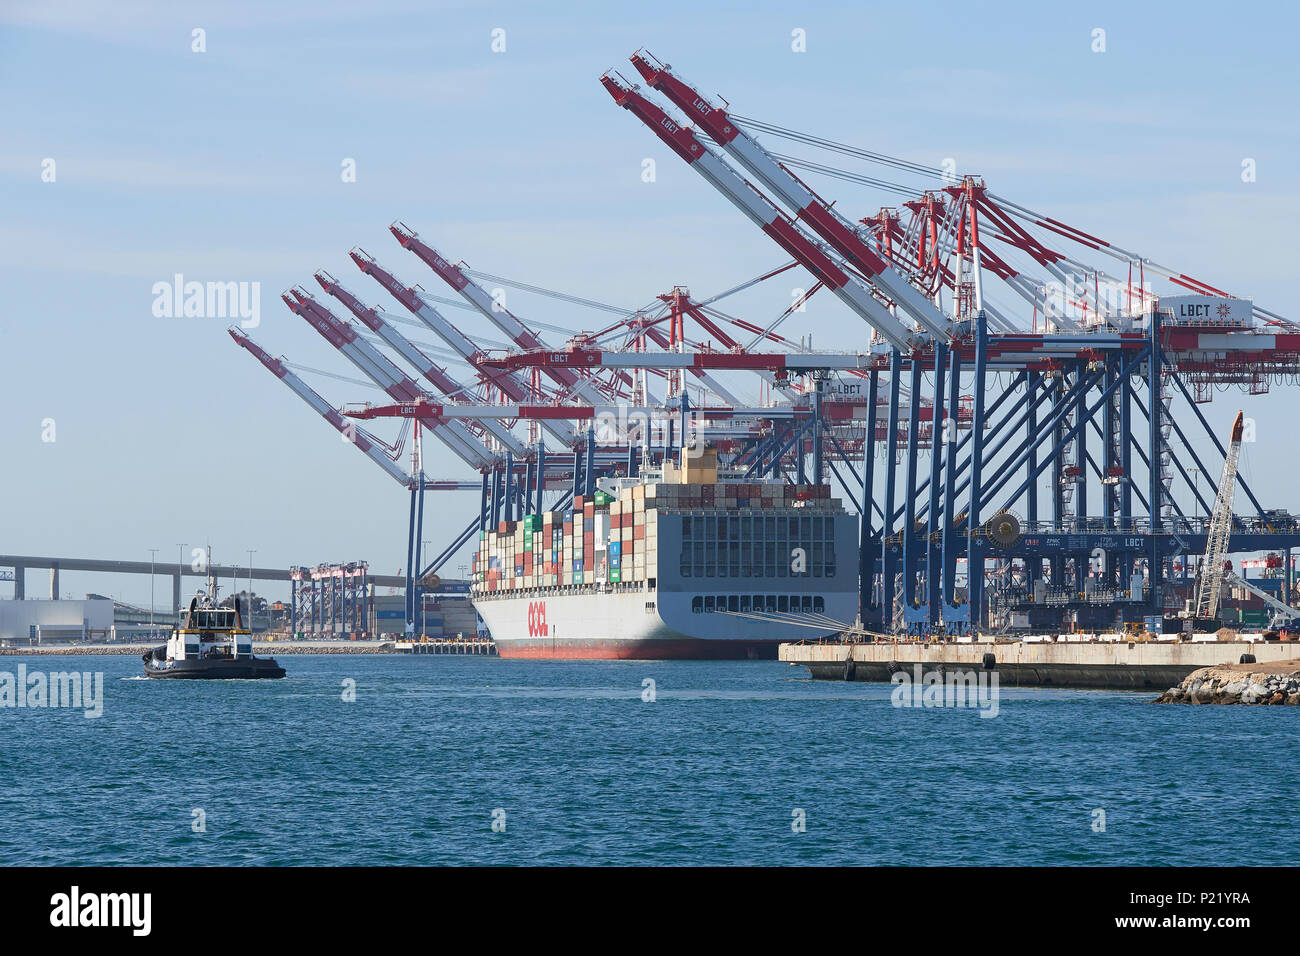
(712,770)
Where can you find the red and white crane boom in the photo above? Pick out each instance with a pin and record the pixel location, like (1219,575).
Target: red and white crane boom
(762,212)
(491,308)
(409,296)
(377,321)
(711,383)
(382,372)
(359,352)
(807,206)
(356,436)
(1123,255)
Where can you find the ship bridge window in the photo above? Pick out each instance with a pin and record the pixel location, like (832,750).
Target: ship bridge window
(805,603)
(783,603)
(819,605)
(744,603)
(214,620)
(697,605)
(733,603)
(771,603)
(708,602)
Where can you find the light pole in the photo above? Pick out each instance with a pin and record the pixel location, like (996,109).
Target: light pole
(153,558)
(251,552)
(180,570)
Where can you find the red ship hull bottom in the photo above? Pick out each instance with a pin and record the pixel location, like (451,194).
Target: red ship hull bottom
(614,649)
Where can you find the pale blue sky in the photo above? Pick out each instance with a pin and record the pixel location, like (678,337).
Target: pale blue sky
(225,166)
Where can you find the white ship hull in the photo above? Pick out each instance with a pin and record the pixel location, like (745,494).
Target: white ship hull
(639,624)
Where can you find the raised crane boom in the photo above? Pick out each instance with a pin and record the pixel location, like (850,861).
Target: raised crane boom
(762,212)
(492,310)
(375,366)
(1283,613)
(349,430)
(378,321)
(806,205)
(409,296)
(1210,583)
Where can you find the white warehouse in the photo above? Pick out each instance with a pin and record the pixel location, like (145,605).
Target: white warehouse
(47,622)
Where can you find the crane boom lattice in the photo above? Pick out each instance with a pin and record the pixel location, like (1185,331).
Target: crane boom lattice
(1210,584)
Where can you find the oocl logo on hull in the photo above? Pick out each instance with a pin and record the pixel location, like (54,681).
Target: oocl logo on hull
(537,619)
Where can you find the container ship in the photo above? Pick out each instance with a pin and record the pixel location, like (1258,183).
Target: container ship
(679,562)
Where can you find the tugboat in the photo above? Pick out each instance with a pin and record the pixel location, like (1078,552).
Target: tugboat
(211,644)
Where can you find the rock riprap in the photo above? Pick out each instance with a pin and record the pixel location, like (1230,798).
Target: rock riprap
(1277,683)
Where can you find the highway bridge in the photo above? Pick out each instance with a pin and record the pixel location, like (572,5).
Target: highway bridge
(21,563)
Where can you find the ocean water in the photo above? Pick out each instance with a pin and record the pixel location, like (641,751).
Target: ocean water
(582,770)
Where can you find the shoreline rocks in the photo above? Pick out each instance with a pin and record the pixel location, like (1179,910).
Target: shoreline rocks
(1272,684)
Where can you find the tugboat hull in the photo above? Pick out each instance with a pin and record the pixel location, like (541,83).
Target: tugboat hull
(243,669)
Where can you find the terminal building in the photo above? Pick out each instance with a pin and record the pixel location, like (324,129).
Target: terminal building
(28,622)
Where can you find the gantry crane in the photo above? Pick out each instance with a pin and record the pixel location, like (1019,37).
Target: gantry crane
(1025,395)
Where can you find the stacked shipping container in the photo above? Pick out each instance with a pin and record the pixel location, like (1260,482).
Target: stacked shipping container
(608,540)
